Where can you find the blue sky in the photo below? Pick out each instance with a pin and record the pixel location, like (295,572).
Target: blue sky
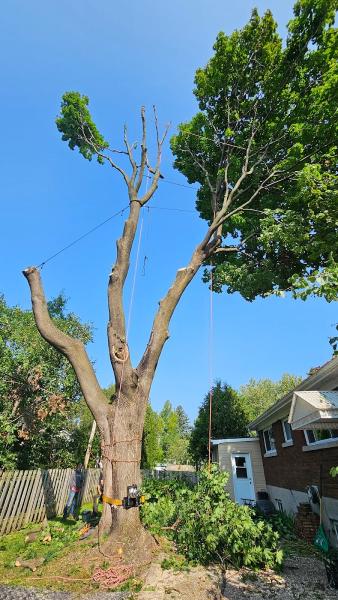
(123,55)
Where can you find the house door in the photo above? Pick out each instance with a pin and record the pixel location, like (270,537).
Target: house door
(242,477)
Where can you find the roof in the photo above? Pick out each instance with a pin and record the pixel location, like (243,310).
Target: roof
(314,409)
(232,440)
(325,377)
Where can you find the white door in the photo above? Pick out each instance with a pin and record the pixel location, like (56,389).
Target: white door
(242,478)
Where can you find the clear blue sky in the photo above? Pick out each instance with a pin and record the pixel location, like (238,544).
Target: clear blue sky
(123,55)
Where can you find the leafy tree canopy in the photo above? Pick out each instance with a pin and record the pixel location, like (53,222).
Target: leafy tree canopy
(264,145)
(228,420)
(78,128)
(38,389)
(258,395)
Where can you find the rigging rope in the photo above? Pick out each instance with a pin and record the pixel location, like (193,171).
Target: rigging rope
(211,324)
(131,302)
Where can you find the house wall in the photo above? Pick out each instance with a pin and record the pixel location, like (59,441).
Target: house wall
(294,469)
(290,500)
(253,448)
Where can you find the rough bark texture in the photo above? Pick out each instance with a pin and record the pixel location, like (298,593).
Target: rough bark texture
(120,422)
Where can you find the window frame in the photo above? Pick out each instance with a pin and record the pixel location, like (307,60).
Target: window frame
(331,439)
(288,441)
(272,451)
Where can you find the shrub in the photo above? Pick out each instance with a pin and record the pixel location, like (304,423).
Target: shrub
(209,526)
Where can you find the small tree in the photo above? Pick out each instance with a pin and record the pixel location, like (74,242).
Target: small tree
(262,149)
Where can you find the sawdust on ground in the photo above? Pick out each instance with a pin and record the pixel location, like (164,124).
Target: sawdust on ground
(303,578)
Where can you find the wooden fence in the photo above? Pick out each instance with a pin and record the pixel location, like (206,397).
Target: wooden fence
(31,496)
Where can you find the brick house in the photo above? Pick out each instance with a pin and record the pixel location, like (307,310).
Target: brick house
(298,438)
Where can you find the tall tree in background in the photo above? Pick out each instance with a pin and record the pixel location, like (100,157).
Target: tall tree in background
(228,420)
(262,149)
(39,392)
(258,395)
(183,421)
(152,452)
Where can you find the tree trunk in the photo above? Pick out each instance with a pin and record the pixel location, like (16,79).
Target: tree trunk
(121,468)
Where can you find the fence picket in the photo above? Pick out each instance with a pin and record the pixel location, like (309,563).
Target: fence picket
(29,496)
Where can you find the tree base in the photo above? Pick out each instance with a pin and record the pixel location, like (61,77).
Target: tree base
(128,541)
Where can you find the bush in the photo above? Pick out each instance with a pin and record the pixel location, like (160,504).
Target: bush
(209,527)
(284,524)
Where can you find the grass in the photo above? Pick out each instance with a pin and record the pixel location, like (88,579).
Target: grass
(66,558)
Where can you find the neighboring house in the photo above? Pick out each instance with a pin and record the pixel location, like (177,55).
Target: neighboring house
(241,457)
(299,444)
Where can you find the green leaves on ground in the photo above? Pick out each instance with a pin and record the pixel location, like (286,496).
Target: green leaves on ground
(207,526)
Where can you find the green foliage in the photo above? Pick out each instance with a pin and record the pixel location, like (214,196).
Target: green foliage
(208,527)
(334,342)
(334,471)
(165,436)
(228,420)
(277,108)
(78,128)
(152,452)
(284,524)
(39,393)
(176,563)
(258,395)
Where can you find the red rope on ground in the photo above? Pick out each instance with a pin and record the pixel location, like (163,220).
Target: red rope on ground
(112,577)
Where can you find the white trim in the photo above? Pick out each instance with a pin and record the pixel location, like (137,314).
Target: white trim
(249,472)
(286,439)
(321,445)
(287,444)
(323,377)
(319,442)
(270,453)
(231,440)
(272,442)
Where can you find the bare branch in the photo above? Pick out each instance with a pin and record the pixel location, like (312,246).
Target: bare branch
(130,156)
(143,150)
(70,347)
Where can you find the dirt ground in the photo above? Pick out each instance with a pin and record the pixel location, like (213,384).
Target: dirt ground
(302,579)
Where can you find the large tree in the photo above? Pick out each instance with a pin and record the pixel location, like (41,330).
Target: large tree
(262,149)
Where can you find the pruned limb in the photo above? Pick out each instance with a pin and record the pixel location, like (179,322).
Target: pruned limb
(72,348)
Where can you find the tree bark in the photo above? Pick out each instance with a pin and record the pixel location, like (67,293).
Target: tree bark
(120,423)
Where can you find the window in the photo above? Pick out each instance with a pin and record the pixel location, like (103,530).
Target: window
(315,436)
(241,472)
(269,441)
(287,431)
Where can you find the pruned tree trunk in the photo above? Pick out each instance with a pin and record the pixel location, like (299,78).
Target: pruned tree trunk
(120,423)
